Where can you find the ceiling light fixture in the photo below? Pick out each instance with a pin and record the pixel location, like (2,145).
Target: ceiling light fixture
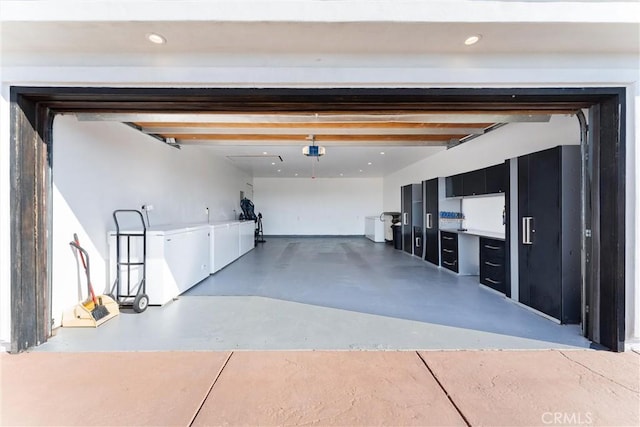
(369,163)
(341,174)
(156,38)
(472,39)
(273,163)
(264,153)
(382,153)
(279,170)
(313,150)
(360,170)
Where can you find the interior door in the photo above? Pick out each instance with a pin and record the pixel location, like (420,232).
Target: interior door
(432,249)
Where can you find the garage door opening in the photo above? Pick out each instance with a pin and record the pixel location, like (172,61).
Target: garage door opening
(609,317)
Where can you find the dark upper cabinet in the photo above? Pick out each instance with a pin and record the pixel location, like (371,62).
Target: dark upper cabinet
(474,183)
(453,185)
(549,232)
(496,179)
(491,180)
(431,209)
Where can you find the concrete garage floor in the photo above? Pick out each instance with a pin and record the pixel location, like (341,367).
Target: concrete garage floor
(327,294)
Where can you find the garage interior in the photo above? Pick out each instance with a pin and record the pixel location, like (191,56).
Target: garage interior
(351,295)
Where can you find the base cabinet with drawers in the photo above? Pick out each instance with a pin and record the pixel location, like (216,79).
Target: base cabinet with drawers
(449,251)
(492,264)
(459,252)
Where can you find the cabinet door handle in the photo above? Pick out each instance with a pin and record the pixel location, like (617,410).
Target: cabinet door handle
(418,242)
(449,251)
(493,248)
(447,238)
(526,230)
(492,281)
(449,263)
(490,264)
(429,221)
(405,218)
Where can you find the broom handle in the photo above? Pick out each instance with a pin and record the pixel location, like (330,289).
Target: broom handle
(84,264)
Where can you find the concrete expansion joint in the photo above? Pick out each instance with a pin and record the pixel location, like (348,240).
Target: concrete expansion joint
(213,383)
(597,373)
(464,418)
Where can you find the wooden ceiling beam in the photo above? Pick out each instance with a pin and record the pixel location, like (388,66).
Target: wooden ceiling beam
(318,138)
(150,126)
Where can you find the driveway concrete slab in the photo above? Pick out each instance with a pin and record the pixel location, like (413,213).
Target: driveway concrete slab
(327,388)
(109,389)
(530,388)
(621,368)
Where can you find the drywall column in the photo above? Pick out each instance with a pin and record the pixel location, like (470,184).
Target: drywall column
(632,219)
(5,225)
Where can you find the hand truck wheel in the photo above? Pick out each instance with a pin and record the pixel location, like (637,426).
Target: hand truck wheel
(140,303)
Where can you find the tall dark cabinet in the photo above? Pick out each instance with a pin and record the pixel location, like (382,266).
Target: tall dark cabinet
(431,240)
(412,219)
(549,232)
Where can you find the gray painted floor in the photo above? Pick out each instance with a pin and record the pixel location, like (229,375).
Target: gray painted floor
(327,294)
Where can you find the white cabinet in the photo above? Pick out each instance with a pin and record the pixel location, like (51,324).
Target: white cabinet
(177,259)
(374,228)
(247,236)
(225,244)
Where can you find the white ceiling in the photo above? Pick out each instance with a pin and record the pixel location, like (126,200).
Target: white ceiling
(348,161)
(273,43)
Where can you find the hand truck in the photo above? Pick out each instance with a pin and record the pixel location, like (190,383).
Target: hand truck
(130,296)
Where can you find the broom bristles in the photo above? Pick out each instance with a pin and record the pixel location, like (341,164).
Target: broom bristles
(99,312)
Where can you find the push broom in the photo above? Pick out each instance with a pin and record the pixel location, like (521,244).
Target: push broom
(98,311)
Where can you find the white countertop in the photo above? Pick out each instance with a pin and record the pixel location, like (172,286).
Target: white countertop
(179,228)
(481,233)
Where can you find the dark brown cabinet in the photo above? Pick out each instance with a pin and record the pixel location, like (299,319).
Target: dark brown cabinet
(453,185)
(549,232)
(431,217)
(496,179)
(411,218)
(474,183)
(492,263)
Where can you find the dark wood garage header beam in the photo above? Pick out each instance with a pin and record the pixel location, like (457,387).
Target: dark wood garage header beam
(33,110)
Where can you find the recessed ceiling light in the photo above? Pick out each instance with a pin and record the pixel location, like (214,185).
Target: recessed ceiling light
(156,38)
(296,174)
(369,163)
(472,39)
(360,170)
(279,170)
(341,174)
(382,153)
(264,152)
(273,163)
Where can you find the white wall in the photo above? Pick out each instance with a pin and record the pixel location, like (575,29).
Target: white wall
(103,166)
(484,213)
(510,141)
(321,206)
